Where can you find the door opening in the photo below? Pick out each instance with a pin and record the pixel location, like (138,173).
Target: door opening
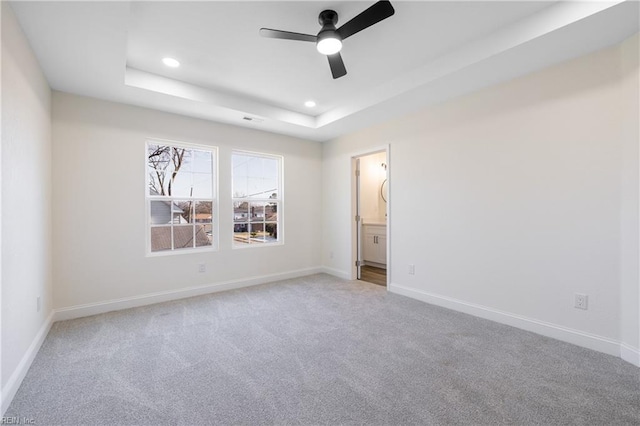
(371,217)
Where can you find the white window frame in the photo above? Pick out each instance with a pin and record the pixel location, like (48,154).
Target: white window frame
(279,200)
(215,222)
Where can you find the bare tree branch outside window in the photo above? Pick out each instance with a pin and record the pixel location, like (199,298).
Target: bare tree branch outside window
(160,158)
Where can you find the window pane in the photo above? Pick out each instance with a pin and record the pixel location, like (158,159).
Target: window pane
(202,185)
(271,212)
(271,230)
(241,233)
(203,210)
(183,212)
(202,162)
(160,212)
(240,211)
(159,162)
(183,236)
(181,159)
(181,185)
(240,169)
(158,157)
(270,167)
(270,187)
(257,233)
(157,183)
(160,238)
(256,212)
(261,187)
(204,235)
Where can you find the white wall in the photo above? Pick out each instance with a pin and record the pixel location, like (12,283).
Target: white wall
(519,192)
(99,204)
(630,214)
(26,195)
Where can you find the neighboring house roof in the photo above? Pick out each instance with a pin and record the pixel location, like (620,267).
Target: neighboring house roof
(183,237)
(203,216)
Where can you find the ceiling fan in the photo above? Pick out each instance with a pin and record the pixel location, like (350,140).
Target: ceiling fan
(329,39)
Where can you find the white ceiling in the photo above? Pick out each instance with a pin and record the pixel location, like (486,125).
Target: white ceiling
(426,53)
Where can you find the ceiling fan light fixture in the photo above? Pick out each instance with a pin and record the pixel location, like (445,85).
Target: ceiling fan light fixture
(329,39)
(329,43)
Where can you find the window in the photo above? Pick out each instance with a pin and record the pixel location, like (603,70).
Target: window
(180,196)
(257,199)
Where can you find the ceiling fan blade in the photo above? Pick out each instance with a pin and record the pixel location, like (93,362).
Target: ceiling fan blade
(374,14)
(337,65)
(287,35)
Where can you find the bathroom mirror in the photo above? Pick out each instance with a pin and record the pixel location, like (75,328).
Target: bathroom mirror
(383,190)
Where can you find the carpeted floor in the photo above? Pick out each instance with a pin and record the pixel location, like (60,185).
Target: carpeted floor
(316,350)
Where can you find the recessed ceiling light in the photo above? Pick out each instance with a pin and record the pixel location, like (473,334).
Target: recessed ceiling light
(310,104)
(170,62)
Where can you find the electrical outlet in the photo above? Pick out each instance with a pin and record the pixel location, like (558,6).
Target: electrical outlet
(412,269)
(202,267)
(38,304)
(581,301)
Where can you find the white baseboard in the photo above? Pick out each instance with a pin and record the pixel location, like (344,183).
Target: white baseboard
(630,354)
(89,309)
(576,337)
(336,273)
(12,386)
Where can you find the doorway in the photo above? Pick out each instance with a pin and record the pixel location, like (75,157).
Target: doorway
(371,197)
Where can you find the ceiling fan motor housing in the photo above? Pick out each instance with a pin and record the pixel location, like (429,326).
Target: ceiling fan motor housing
(328,17)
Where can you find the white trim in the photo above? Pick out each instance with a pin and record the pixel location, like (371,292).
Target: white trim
(88,309)
(576,337)
(14,382)
(337,273)
(630,354)
(368,151)
(256,245)
(388,216)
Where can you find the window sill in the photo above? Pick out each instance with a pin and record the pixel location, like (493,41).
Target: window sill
(181,252)
(256,245)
